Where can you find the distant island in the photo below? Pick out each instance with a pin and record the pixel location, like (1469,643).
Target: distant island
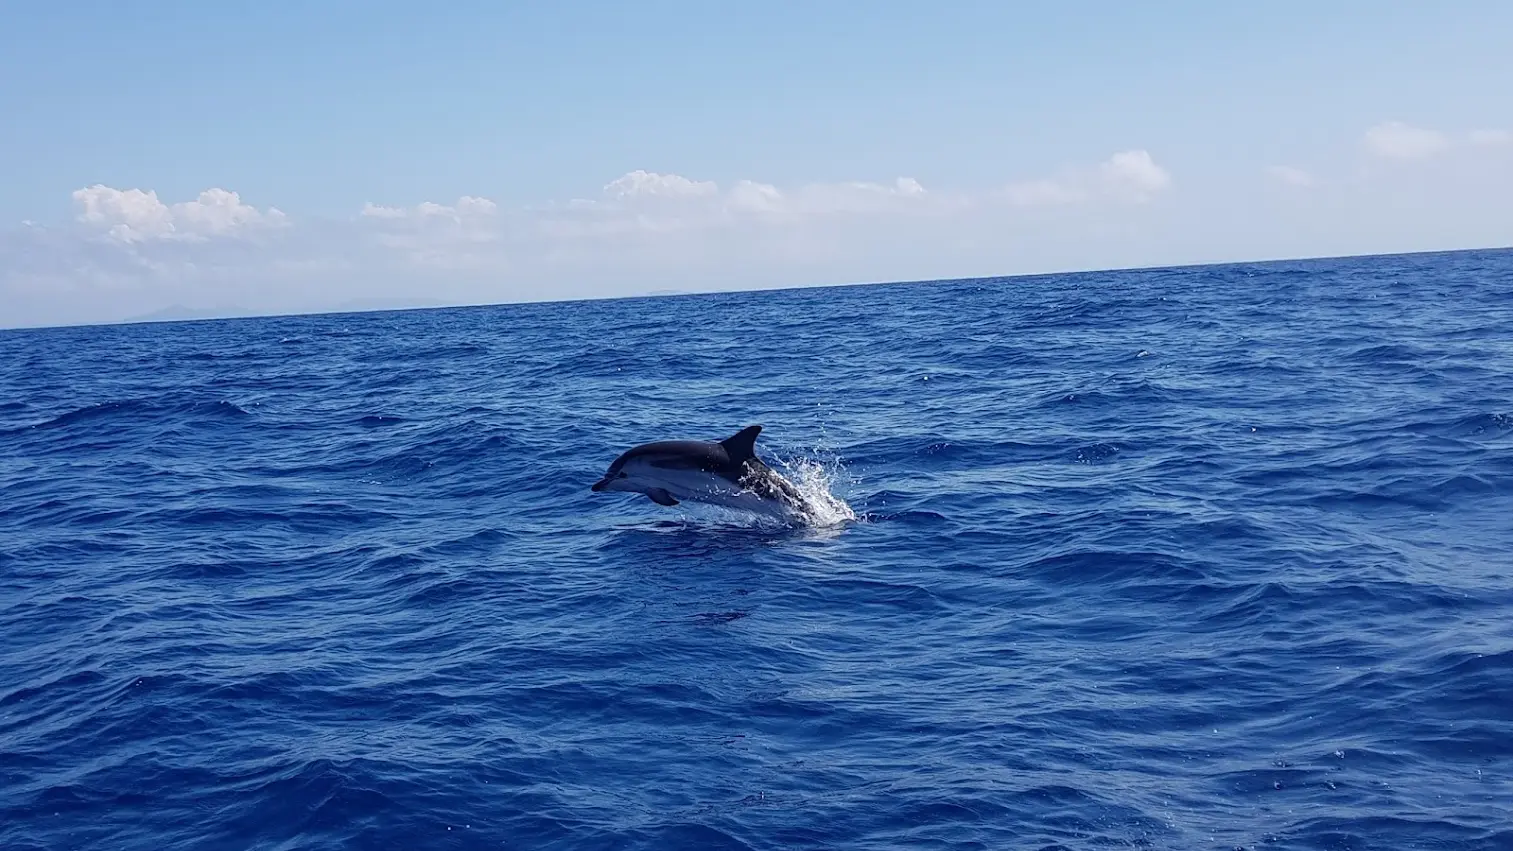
(181,313)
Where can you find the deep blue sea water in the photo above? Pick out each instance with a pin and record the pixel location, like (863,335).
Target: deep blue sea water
(1196,558)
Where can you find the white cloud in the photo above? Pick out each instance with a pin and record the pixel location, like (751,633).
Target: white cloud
(1128,175)
(374,211)
(1136,170)
(1491,137)
(905,194)
(1290,175)
(465,234)
(751,196)
(1399,141)
(645,201)
(129,215)
(218,211)
(645,183)
(132,215)
(748,195)
(467,207)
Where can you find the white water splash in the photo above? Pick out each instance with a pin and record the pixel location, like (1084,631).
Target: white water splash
(815,479)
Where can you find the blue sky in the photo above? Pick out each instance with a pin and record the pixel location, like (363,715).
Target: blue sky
(479,152)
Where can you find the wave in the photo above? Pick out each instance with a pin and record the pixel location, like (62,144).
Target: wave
(128,412)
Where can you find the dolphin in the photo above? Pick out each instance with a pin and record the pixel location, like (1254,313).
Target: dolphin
(726,473)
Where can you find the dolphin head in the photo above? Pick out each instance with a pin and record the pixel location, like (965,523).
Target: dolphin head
(616,478)
(645,467)
(662,471)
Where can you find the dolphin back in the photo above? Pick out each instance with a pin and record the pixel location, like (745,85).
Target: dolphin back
(730,456)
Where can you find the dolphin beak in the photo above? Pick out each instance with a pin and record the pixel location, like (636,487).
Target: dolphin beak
(600,485)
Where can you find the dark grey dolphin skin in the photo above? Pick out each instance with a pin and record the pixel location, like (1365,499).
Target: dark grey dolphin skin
(732,460)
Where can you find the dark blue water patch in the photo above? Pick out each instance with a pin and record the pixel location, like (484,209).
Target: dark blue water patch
(1175,558)
(136,411)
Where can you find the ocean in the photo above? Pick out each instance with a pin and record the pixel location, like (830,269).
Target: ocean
(1196,558)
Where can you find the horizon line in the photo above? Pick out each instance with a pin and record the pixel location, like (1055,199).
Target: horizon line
(765,289)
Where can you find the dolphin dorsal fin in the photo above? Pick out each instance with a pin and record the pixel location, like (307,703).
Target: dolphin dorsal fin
(742,444)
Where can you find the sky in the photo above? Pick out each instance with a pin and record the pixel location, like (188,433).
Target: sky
(175,158)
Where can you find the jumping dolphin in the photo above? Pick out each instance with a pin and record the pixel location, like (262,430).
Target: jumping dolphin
(726,473)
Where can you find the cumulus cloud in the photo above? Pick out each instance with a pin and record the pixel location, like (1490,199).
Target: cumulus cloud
(1128,175)
(903,193)
(467,207)
(132,215)
(650,202)
(751,196)
(642,200)
(1290,175)
(1136,170)
(465,234)
(645,183)
(1398,141)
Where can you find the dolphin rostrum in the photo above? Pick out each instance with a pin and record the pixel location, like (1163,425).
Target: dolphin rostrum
(726,473)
